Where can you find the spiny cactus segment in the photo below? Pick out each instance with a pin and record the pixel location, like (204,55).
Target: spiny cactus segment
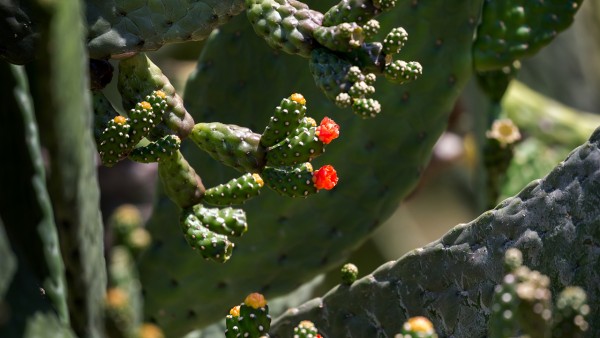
(417,327)
(300,180)
(249,319)
(334,42)
(306,329)
(523,302)
(236,191)
(181,183)
(164,147)
(121,134)
(226,221)
(232,145)
(349,273)
(286,119)
(209,244)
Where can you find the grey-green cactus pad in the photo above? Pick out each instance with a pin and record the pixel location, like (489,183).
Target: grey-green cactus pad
(289,241)
(555,222)
(120,27)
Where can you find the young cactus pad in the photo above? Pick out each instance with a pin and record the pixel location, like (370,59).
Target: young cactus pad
(236,191)
(249,319)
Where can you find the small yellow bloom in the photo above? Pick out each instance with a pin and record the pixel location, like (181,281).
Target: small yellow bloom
(298,98)
(258,180)
(235,311)
(255,300)
(145,105)
(160,94)
(120,120)
(504,131)
(418,324)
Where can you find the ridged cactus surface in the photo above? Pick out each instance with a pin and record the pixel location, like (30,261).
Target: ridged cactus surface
(293,240)
(120,27)
(554,221)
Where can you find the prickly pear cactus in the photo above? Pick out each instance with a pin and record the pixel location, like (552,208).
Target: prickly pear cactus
(553,221)
(381,159)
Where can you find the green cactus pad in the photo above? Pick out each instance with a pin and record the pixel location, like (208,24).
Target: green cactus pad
(226,221)
(341,38)
(232,145)
(286,25)
(366,108)
(403,72)
(550,221)
(138,76)
(247,321)
(302,146)
(236,191)
(155,150)
(119,28)
(305,329)
(209,244)
(359,11)
(514,29)
(286,118)
(293,181)
(349,273)
(330,72)
(395,40)
(181,183)
(103,113)
(114,141)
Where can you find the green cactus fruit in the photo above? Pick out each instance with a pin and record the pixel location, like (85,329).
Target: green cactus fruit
(249,319)
(226,221)
(403,72)
(366,108)
(340,38)
(539,221)
(361,90)
(417,327)
(292,181)
(210,245)
(124,28)
(349,273)
(103,113)
(156,150)
(306,329)
(114,145)
(313,232)
(330,72)
(359,11)
(286,119)
(395,40)
(284,24)
(511,30)
(139,76)
(180,181)
(570,312)
(371,28)
(236,191)
(232,145)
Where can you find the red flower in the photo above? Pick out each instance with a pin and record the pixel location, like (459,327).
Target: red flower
(318,336)
(328,130)
(325,178)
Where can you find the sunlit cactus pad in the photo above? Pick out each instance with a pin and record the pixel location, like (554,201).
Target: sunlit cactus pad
(554,221)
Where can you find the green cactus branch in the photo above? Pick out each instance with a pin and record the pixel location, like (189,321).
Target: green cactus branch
(451,280)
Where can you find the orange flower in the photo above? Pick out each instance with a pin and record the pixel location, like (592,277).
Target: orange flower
(255,300)
(325,178)
(328,130)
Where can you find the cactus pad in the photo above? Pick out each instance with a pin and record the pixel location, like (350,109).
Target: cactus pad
(226,221)
(209,244)
(286,119)
(236,191)
(181,183)
(154,151)
(341,38)
(359,11)
(249,319)
(294,181)
(232,145)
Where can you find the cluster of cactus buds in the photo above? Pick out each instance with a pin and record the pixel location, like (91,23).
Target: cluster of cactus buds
(306,329)
(342,63)
(249,319)
(523,303)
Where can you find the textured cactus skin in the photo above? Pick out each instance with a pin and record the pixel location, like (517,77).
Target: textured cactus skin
(232,145)
(292,181)
(285,119)
(138,76)
(553,221)
(251,322)
(532,26)
(236,191)
(306,236)
(199,237)
(117,27)
(226,221)
(180,180)
(359,11)
(155,151)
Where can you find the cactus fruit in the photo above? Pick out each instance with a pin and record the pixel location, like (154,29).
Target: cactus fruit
(349,273)
(249,319)
(236,191)
(550,215)
(306,329)
(232,145)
